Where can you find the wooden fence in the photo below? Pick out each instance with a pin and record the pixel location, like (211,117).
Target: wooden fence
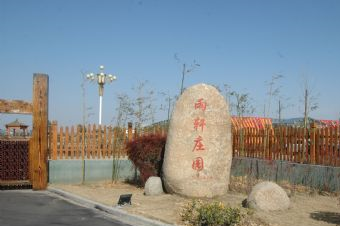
(311,146)
(93,141)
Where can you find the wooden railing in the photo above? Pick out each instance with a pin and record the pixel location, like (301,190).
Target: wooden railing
(312,146)
(93,141)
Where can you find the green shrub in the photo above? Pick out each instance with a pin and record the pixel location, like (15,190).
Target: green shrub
(198,213)
(147,152)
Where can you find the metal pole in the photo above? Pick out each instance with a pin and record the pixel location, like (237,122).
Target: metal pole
(100,109)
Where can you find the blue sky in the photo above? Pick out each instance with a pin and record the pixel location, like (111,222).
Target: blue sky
(239,43)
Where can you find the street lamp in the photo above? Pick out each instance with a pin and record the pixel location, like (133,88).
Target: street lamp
(101,78)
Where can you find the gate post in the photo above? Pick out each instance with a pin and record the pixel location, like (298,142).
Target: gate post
(39,142)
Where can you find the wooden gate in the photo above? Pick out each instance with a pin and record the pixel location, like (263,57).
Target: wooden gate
(38,144)
(14,164)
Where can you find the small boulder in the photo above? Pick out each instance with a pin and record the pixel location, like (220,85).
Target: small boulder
(153,186)
(268,196)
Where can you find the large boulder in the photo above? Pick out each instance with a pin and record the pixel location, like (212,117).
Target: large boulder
(153,186)
(198,150)
(268,196)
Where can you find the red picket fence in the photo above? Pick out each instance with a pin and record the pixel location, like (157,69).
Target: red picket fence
(93,141)
(311,146)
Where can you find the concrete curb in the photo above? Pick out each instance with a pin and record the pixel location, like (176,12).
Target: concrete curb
(117,213)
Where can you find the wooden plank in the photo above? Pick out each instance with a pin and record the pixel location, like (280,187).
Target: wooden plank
(78,146)
(61,143)
(115,140)
(88,142)
(104,153)
(327,152)
(256,140)
(83,142)
(99,140)
(317,146)
(109,142)
(312,144)
(67,143)
(282,143)
(122,153)
(331,145)
(129,131)
(54,140)
(289,143)
(322,146)
(276,144)
(40,131)
(72,141)
(298,144)
(293,143)
(94,142)
(261,143)
(15,107)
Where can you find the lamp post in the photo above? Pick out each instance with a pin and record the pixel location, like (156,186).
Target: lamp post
(101,78)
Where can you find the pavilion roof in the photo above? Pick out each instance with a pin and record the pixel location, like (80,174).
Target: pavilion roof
(16,123)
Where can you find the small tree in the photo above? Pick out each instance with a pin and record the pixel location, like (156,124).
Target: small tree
(186,70)
(86,115)
(143,109)
(242,104)
(168,105)
(123,112)
(309,100)
(273,91)
(310,104)
(283,103)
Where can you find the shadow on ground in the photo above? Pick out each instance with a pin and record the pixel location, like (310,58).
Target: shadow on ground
(329,217)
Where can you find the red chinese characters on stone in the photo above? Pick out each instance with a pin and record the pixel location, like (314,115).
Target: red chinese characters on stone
(198,164)
(201,104)
(199,123)
(199,146)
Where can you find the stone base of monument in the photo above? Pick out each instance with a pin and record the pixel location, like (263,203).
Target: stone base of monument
(198,188)
(153,186)
(268,196)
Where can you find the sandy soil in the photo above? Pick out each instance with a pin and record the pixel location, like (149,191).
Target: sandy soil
(306,209)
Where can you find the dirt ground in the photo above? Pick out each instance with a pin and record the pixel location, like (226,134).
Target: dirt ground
(307,208)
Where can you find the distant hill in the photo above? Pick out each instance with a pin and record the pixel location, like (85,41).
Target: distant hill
(292,121)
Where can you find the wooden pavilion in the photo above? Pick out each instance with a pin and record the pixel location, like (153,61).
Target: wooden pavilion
(16,126)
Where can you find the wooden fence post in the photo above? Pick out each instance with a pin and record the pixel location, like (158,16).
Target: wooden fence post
(312,143)
(54,137)
(130,131)
(39,143)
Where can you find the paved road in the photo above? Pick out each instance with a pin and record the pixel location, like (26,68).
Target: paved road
(28,208)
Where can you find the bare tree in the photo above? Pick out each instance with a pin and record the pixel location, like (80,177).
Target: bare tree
(168,105)
(87,111)
(309,101)
(185,69)
(273,91)
(242,103)
(283,104)
(143,109)
(124,110)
